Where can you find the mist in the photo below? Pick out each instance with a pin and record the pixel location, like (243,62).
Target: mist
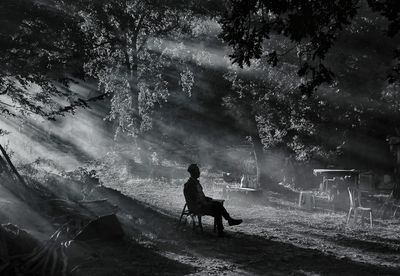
(270,129)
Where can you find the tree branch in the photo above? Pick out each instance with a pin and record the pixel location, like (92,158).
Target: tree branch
(78,103)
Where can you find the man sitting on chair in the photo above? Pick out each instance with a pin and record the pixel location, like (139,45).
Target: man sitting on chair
(197,202)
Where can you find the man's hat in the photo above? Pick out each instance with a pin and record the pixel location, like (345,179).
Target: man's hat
(192,167)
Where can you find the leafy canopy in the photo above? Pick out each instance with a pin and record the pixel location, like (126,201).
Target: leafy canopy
(312,26)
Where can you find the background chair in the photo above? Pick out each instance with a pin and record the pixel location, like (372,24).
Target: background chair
(307,200)
(356,207)
(391,205)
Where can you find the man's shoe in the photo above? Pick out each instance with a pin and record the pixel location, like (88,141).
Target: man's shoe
(232,222)
(222,235)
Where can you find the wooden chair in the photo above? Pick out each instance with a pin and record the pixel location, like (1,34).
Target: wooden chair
(307,200)
(187,213)
(356,206)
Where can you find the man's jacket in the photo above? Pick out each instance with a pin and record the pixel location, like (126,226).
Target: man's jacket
(194,195)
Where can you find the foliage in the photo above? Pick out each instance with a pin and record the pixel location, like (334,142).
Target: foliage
(187,80)
(126,44)
(326,124)
(35,65)
(390,9)
(285,118)
(312,26)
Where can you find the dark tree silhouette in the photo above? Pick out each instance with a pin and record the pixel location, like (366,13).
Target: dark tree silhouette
(391,10)
(31,54)
(313,26)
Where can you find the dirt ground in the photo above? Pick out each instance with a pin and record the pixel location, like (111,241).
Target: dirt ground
(276,237)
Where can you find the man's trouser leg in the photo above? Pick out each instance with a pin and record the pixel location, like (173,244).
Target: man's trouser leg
(224,213)
(218,222)
(217,210)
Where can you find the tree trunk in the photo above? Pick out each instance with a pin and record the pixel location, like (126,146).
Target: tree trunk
(20,178)
(132,67)
(259,157)
(396,188)
(134,89)
(3,166)
(143,150)
(263,180)
(21,190)
(131,63)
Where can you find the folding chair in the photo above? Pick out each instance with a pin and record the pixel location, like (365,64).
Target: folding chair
(391,204)
(187,213)
(354,208)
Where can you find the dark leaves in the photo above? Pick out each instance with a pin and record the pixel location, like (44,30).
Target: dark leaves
(272,58)
(247,24)
(391,10)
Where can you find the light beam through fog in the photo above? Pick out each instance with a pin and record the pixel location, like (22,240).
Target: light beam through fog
(275,125)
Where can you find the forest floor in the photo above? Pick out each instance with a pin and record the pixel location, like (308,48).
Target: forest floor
(276,237)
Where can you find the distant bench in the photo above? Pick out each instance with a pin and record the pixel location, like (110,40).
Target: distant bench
(242,190)
(230,189)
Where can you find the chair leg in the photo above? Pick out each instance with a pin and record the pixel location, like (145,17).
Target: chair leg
(395,211)
(180,218)
(362,218)
(381,211)
(355,216)
(183,212)
(370,218)
(193,222)
(200,224)
(348,216)
(215,225)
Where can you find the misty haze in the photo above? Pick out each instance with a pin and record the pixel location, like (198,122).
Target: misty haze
(199,137)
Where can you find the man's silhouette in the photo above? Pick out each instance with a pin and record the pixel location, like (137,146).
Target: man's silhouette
(197,202)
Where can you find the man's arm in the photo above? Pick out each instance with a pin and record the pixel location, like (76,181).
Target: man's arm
(190,193)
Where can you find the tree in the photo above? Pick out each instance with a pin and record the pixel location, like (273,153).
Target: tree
(328,34)
(256,103)
(313,27)
(35,65)
(123,45)
(390,9)
(126,44)
(324,125)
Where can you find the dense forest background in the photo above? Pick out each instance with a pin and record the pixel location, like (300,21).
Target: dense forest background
(167,83)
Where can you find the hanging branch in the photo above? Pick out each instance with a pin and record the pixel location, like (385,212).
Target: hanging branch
(78,103)
(20,178)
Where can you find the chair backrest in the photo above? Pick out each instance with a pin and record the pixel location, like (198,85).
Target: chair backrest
(355,197)
(351,198)
(391,199)
(192,208)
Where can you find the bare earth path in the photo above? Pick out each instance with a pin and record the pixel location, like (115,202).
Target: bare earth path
(276,238)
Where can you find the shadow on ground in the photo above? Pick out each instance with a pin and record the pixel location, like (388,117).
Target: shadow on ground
(125,257)
(245,253)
